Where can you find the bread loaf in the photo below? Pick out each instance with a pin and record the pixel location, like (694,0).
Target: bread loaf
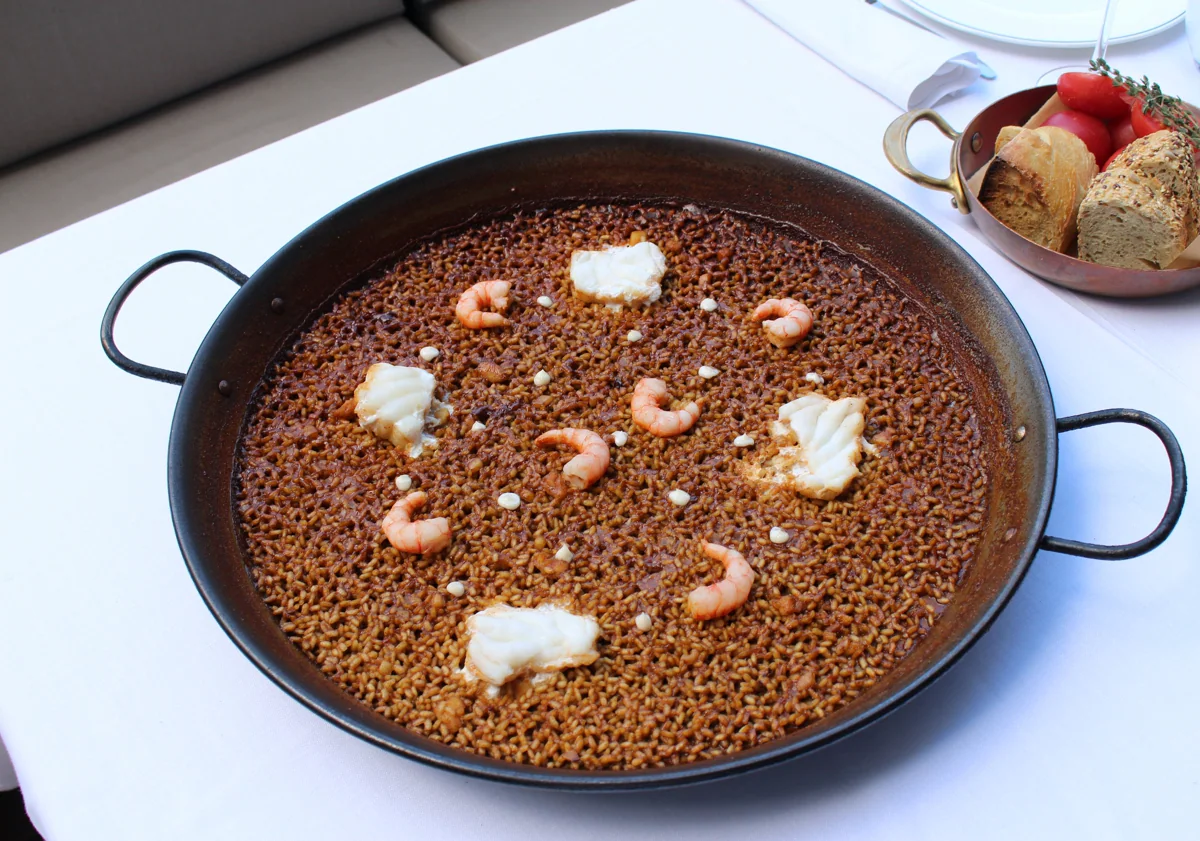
(1036,183)
(1006,134)
(1145,208)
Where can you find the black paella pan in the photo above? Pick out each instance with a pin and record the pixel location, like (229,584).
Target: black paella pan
(361,239)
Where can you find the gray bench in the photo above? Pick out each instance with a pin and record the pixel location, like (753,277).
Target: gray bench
(104,100)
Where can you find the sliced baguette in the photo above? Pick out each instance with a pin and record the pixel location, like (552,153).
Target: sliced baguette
(1006,134)
(1036,183)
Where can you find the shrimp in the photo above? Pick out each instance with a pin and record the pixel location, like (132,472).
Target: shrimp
(418,537)
(470,310)
(793,324)
(730,592)
(648,396)
(584,469)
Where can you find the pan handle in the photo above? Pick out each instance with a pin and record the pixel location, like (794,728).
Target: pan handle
(1174,503)
(895,146)
(118,300)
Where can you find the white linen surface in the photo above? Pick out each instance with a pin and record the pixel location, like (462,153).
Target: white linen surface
(906,64)
(130,715)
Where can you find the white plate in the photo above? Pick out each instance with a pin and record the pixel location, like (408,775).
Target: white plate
(1053,23)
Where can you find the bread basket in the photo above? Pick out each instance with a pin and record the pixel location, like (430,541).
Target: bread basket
(972,150)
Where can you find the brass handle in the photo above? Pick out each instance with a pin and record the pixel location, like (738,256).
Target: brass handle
(895,146)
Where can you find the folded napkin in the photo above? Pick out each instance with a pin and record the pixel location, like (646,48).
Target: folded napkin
(909,65)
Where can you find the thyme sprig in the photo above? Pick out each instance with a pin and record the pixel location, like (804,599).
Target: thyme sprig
(1168,110)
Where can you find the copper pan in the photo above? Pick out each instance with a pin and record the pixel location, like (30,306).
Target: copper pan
(972,150)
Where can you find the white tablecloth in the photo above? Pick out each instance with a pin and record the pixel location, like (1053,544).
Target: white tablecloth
(128,714)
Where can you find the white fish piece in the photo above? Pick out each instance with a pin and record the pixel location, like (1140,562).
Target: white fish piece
(396,403)
(507,642)
(623,275)
(829,445)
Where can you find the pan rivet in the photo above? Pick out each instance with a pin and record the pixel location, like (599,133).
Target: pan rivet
(954,202)
(1020,434)
(225,388)
(1009,535)
(976,142)
(277,305)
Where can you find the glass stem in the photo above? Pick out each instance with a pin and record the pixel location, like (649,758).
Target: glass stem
(1102,39)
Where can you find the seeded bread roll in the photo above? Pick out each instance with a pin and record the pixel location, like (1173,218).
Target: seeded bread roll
(1145,209)
(1036,183)
(1164,155)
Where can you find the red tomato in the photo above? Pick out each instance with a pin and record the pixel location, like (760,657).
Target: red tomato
(1087,128)
(1110,159)
(1122,132)
(1143,123)
(1092,94)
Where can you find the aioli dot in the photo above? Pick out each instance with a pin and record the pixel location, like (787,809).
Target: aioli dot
(744,440)
(509,500)
(643,622)
(430,353)
(708,372)
(778,535)
(680,498)
(620,439)
(815,379)
(477,427)
(456,588)
(545,301)
(403,482)
(634,335)
(564,554)
(708,305)
(541,378)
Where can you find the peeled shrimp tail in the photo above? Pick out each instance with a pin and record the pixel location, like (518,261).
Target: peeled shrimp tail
(417,537)
(793,324)
(649,395)
(593,459)
(728,594)
(470,310)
